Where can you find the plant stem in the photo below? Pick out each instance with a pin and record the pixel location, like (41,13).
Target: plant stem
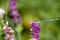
(19,35)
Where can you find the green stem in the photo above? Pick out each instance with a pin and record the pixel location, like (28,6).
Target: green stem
(19,35)
(0,28)
(18,30)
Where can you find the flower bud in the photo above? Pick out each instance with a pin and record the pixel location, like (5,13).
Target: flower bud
(2,12)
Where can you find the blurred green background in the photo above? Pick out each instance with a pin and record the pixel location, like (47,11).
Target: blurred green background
(32,10)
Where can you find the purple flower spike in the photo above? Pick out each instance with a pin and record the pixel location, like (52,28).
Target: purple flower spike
(12,37)
(12,4)
(9,32)
(12,7)
(33,24)
(35,35)
(35,29)
(14,13)
(15,17)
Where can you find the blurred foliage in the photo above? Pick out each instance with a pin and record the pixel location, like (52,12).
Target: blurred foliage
(31,10)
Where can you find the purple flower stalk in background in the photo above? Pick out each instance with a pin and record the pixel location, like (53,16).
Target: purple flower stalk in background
(12,5)
(14,12)
(35,29)
(15,17)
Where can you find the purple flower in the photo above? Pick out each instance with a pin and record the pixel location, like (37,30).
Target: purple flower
(8,30)
(14,13)
(12,37)
(12,5)
(15,16)
(35,27)
(35,35)
(12,2)
(7,37)
(33,24)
